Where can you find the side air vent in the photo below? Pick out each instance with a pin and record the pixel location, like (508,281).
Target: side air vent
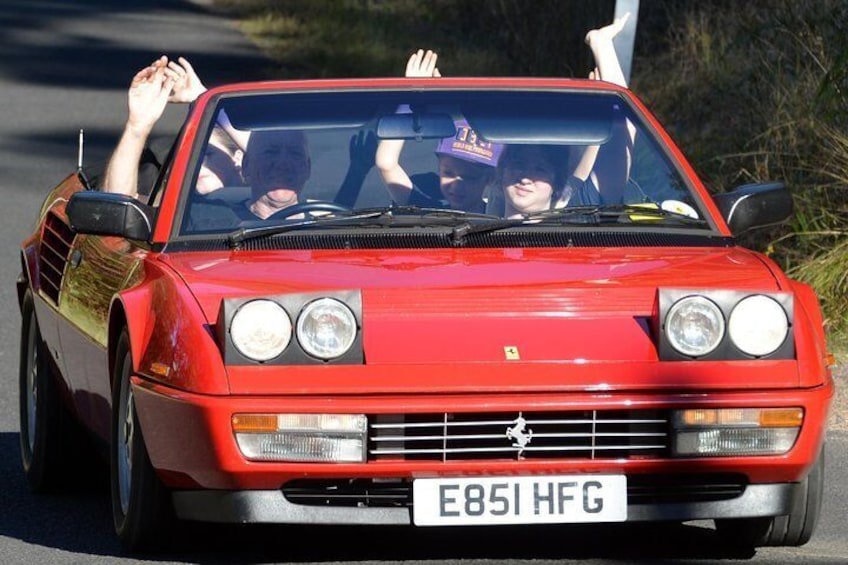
(55,247)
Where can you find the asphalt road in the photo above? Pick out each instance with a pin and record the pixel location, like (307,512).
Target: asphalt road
(65,65)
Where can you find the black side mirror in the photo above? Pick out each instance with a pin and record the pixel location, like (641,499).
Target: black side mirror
(103,213)
(755,205)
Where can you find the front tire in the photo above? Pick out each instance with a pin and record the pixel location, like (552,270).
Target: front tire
(794,529)
(42,415)
(141,506)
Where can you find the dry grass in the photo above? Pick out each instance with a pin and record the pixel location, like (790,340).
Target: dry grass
(751,91)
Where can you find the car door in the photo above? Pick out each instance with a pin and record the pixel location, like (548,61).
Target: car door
(98,267)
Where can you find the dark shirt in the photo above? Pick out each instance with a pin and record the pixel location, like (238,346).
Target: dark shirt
(216,215)
(427,192)
(583,192)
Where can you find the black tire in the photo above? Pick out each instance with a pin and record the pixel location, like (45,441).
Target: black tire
(44,449)
(141,505)
(794,529)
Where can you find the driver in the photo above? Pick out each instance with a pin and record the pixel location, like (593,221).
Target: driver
(276,166)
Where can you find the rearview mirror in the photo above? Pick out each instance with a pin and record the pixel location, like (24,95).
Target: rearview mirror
(103,213)
(755,205)
(416,125)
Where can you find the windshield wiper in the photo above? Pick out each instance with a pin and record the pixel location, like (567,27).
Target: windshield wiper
(634,212)
(593,214)
(428,216)
(237,236)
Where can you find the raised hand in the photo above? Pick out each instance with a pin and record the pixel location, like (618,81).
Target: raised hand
(422,64)
(148,95)
(608,32)
(187,85)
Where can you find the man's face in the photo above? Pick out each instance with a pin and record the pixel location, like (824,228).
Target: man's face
(463,183)
(277,161)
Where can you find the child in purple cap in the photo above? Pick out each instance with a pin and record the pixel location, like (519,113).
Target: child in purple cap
(467,164)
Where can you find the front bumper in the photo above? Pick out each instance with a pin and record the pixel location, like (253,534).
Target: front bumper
(272,506)
(191,444)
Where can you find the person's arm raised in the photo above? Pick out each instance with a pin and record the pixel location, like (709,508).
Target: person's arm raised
(147,97)
(387,158)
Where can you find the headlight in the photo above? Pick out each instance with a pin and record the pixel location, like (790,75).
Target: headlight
(694,326)
(260,329)
(758,325)
(326,328)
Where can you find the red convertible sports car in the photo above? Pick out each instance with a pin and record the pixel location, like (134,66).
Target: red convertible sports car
(525,308)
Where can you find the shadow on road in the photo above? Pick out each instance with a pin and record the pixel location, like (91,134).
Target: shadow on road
(80,522)
(47,49)
(67,65)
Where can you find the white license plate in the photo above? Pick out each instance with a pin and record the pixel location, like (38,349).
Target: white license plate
(519,500)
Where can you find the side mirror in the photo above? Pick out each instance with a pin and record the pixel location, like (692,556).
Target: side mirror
(755,205)
(103,213)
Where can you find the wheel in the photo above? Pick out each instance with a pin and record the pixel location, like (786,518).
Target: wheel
(141,505)
(43,419)
(308,209)
(794,529)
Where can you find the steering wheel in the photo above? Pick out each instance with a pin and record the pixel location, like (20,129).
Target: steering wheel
(308,209)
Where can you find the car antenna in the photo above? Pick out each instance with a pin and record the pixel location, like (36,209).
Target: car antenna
(80,171)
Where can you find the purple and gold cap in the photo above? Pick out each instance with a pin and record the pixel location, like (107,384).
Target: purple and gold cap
(468,146)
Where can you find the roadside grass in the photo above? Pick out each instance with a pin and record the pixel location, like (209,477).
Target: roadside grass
(749,93)
(357,38)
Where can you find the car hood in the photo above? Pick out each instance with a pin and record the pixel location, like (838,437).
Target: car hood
(484,305)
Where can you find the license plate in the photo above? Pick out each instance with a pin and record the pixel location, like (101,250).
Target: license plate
(519,500)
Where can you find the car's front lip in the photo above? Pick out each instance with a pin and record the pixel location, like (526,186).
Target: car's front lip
(272,506)
(191,442)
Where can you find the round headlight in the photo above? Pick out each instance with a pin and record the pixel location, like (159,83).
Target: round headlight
(260,329)
(694,326)
(758,325)
(326,328)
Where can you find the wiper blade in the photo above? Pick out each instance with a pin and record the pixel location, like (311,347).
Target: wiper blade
(407,210)
(427,215)
(237,236)
(634,212)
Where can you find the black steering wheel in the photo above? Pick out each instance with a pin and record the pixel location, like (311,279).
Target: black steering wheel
(308,209)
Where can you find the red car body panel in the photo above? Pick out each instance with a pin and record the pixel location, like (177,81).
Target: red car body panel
(458,330)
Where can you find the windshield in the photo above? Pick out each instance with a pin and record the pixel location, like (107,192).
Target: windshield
(401,159)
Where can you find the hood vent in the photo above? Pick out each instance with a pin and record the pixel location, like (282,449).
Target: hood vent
(441,240)
(56,240)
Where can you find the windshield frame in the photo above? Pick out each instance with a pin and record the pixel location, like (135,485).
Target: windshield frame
(659,141)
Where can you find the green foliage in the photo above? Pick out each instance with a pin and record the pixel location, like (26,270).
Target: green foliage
(757,91)
(751,91)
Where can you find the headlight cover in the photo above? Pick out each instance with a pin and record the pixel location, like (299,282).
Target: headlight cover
(694,326)
(326,323)
(721,324)
(758,325)
(260,329)
(326,328)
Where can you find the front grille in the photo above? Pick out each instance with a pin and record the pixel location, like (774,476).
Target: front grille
(56,240)
(388,493)
(589,434)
